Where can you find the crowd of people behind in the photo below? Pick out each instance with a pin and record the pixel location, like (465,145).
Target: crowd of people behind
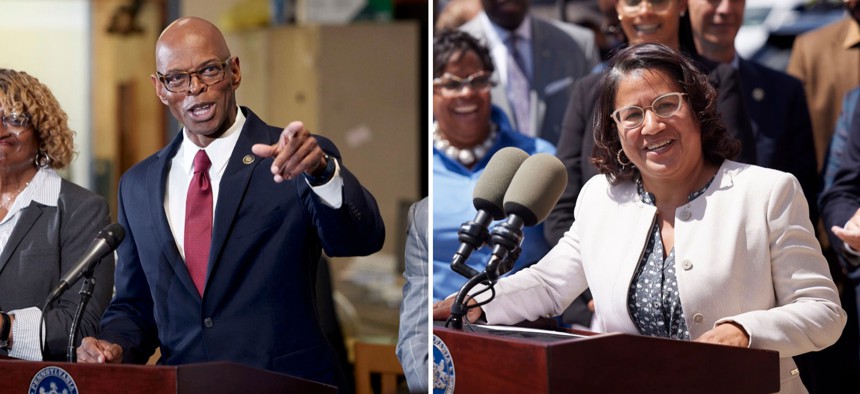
(500,69)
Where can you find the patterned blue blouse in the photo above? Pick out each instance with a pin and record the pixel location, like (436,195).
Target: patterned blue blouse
(653,300)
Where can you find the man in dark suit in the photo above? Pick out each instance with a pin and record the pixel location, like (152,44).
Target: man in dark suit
(775,101)
(553,56)
(252,302)
(840,211)
(778,111)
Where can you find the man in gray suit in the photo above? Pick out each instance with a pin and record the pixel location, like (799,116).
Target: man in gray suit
(413,335)
(537,61)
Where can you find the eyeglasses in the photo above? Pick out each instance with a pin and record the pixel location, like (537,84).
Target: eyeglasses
(664,106)
(209,74)
(15,123)
(632,6)
(451,85)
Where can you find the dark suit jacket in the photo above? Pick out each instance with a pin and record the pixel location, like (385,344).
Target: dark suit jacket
(841,200)
(576,143)
(45,244)
(258,306)
(554,73)
(776,104)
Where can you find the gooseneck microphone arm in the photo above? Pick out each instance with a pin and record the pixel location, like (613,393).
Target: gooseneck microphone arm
(86,293)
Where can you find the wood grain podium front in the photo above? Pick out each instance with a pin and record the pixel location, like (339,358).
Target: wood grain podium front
(493,361)
(212,377)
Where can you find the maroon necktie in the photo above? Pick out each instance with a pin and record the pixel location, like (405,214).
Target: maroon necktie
(198,221)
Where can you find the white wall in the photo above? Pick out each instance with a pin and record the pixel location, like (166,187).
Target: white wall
(50,39)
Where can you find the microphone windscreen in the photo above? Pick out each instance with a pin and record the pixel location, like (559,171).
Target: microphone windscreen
(536,188)
(489,193)
(113,234)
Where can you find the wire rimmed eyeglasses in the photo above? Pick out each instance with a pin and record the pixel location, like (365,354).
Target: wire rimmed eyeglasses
(451,85)
(664,106)
(209,75)
(15,123)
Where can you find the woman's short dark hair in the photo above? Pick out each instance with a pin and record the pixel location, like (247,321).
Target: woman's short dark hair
(717,144)
(451,42)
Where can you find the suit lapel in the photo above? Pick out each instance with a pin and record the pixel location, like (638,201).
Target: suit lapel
(234,184)
(28,218)
(156,179)
(543,74)
(752,89)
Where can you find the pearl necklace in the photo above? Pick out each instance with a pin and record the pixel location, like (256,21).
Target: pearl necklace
(466,156)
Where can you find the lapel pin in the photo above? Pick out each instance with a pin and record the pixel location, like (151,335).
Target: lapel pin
(248,159)
(758,94)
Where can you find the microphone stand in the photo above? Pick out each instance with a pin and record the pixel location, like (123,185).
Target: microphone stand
(459,309)
(86,293)
(506,238)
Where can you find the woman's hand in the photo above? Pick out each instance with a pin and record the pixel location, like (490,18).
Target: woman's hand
(729,333)
(442,309)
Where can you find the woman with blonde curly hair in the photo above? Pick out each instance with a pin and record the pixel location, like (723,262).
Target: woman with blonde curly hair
(46,223)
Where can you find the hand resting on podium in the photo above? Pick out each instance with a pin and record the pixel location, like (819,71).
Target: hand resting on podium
(94,350)
(442,309)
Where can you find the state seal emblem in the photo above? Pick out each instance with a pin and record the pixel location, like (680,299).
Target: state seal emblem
(52,380)
(443,368)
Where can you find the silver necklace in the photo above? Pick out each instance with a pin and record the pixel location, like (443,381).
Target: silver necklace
(466,156)
(8,201)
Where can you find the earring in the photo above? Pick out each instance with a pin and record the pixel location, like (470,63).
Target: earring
(618,157)
(42,159)
(619,17)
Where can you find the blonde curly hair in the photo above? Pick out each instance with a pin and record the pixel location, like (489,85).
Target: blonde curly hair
(23,93)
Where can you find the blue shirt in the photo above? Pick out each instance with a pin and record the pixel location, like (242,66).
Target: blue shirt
(452,205)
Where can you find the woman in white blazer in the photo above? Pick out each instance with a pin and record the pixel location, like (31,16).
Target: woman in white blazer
(674,239)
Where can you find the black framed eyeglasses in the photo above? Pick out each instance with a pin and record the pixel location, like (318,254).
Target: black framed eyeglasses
(451,85)
(209,75)
(664,106)
(16,123)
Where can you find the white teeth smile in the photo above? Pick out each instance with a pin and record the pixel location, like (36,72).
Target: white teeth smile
(658,146)
(201,109)
(647,28)
(463,109)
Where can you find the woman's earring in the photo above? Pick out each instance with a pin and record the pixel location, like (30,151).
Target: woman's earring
(618,157)
(42,159)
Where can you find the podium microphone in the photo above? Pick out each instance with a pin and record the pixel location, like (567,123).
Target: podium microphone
(534,191)
(488,199)
(531,195)
(105,242)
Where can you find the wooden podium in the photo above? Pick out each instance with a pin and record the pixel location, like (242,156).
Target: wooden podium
(212,377)
(493,361)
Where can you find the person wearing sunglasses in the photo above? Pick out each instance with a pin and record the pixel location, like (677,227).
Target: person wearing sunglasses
(675,240)
(225,227)
(467,131)
(46,224)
